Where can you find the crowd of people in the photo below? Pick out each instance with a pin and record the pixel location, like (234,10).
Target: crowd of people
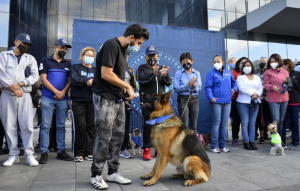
(100,100)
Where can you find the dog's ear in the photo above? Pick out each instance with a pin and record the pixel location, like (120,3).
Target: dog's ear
(274,123)
(273,128)
(167,96)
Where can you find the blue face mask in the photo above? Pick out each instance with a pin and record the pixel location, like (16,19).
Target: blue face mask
(88,60)
(132,49)
(231,66)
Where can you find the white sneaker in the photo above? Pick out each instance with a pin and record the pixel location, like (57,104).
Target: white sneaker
(215,150)
(31,161)
(117,177)
(225,150)
(11,160)
(99,183)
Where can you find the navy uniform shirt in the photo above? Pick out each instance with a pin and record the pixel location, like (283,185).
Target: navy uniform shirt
(57,75)
(79,76)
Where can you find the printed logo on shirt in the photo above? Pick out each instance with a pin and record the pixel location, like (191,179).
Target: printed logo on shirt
(41,66)
(67,69)
(130,70)
(89,75)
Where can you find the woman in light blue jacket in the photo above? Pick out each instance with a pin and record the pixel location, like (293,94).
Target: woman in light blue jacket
(219,86)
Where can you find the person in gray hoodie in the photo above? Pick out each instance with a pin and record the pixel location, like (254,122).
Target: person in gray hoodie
(15,101)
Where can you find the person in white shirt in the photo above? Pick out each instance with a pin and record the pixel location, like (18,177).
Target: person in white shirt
(250,90)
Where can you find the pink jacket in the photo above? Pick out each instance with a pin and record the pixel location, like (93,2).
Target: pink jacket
(273,78)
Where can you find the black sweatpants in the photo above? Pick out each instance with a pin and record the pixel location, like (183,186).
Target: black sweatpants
(127,123)
(146,129)
(84,128)
(236,121)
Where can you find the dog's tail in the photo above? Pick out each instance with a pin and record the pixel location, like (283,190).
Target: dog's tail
(194,166)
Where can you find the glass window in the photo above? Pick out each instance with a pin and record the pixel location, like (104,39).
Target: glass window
(4,5)
(237,48)
(75,7)
(235,5)
(87,8)
(293,52)
(63,7)
(215,4)
(231,16)
(99,19)
(87,18)
(112,9)
(100,8)
(62,27)
(256,51)
(252,5)
(278,48)
(214,28)
(4,21)
(216,18)
(122,10)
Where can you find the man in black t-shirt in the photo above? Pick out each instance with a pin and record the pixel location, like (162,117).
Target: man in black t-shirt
(108,94)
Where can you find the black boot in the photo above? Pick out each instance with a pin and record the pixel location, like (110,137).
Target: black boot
(252,145)
(247,146)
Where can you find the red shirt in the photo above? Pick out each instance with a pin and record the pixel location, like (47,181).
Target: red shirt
(235,75)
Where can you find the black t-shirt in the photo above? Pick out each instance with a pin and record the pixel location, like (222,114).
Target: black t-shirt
(111,54)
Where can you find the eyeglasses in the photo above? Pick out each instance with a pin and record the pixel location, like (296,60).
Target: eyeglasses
(89,55)
(61,48)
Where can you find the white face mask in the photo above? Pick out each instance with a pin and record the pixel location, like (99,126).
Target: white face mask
(247,70)
(217,66)
(274,65)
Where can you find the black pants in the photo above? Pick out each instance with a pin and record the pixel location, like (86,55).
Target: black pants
(127,123)
(291,115)
(191,112)
(84,128)
(39,115)
(146,129)
(266,118)
(2,135)
(236,121)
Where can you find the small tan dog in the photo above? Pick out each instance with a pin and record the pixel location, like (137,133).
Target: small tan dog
(136,139)
(275,140)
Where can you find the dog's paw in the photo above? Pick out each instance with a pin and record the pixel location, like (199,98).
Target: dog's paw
(133,154)
(148,183)
(176,176)
(271,154)
(146,177)
(189,183)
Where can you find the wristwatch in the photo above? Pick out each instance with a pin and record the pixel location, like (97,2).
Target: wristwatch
(20,84)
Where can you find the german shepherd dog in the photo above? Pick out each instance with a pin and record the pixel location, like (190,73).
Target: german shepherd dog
(174,143)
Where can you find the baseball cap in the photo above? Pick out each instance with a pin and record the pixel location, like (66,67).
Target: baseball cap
(24,38)
(62,42)
(151,50)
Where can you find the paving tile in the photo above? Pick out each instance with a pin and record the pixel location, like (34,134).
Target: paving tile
(294,187)
(65,185)
(240,186)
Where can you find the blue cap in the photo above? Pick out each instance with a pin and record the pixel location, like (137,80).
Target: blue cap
(151,50)
(24,38)
(62,42)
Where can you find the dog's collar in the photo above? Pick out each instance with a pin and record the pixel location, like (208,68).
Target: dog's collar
(158,120)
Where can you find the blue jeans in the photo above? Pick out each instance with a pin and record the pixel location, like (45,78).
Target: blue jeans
(291,115)
(248,115)
(220,116)
(278,116)
(61,108)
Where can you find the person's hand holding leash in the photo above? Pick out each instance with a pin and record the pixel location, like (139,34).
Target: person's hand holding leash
(255,95)
(275,88)
(130,93)
(192,81)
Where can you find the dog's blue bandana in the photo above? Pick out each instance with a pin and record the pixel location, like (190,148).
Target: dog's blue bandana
(137,140)
(158,120)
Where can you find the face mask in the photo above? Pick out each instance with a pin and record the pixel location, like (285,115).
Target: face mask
(231,66)
(132,49)
(262,65)
(187,66)
(217,66)
(274,65)
(61,54)
(88,60)
(23,49)
(247,70)
(151,61)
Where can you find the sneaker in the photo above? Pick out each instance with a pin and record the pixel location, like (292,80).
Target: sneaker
(215,150)
(155,154)
(44,158)
(78,159)
(21,152)
(11,160)
(31,161)
(89,157)
(234,142)
(99,183)
(261,140)
(284,146)
(118,178)
(147,154)
(2,152)
(126,154)
(37,127)
(225,150)
(63,156)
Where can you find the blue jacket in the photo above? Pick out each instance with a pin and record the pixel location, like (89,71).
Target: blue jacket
(218,86)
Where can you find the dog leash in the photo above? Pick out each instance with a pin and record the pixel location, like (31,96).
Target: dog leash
(187,102)
(131,107)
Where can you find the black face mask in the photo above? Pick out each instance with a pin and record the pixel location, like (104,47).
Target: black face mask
(23,49)
(151,61)
(262,65)
(187,66)
(61,54)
